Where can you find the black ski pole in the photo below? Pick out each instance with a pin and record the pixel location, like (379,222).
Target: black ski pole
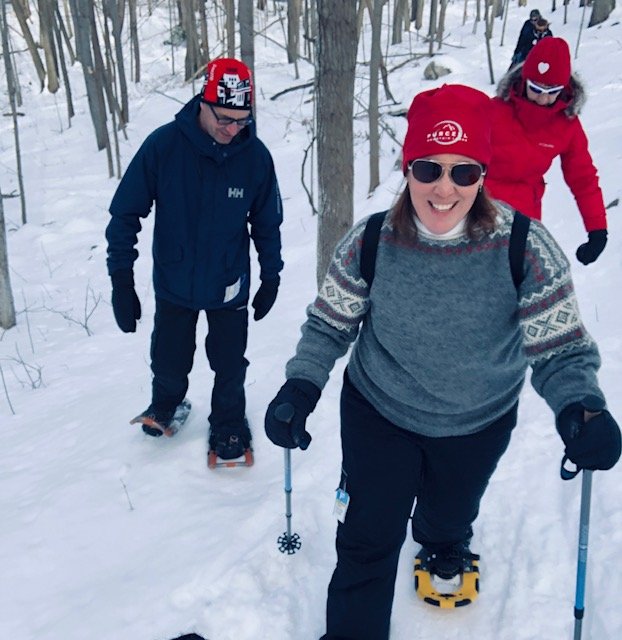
(289,542)
(592,407)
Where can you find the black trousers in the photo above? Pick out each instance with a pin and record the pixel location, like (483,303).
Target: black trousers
(173,343)
(384,468)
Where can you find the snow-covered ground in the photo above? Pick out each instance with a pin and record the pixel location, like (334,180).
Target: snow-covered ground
(106,533)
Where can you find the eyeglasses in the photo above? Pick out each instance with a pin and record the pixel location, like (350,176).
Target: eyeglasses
(462,174)
(225,122)
(536,88)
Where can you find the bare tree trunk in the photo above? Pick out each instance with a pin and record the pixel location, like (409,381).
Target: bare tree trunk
(46,40)
(247,38)
(11,87)
(418,14)
(441,23)
(193,52)
(336,63)
(432,29)
(7,306)
(58,25)
(81,10)
(205,57)
(65,30)
(601,9)
(488,19)
(293,31)
(105,82)
(134,44)
(22,18)
(398,21)
(115,11)
(230,26)
(375,14)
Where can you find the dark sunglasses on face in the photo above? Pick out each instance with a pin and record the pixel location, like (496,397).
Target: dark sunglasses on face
(225,122)
(537,89)
(462,174)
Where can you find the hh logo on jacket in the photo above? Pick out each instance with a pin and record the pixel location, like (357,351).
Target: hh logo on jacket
(235,192)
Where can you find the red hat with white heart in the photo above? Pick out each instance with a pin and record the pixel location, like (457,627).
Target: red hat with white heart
(548,63)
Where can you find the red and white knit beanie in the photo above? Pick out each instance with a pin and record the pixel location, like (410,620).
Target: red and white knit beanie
(228,84)
(451,119)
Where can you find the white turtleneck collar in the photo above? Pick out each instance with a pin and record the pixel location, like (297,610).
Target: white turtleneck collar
(456,232)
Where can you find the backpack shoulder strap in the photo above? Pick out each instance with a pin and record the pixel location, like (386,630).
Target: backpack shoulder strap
(371,236)
(518,243)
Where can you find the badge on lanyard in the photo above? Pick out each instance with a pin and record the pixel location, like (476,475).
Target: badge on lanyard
(342,499)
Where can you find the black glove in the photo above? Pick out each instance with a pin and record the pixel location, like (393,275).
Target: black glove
(589,251)
(594,443)
(125,302)
(288,412)
(265,297)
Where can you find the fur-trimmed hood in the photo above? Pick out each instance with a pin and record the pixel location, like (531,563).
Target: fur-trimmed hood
(574,95)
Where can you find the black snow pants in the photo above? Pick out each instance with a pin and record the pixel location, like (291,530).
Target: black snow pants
(384,468)
(173,343)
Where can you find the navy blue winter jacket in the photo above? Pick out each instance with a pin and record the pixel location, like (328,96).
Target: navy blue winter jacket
(210,199)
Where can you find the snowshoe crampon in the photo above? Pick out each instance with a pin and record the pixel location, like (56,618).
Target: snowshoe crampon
(447,591)
(163,425)
(230,446)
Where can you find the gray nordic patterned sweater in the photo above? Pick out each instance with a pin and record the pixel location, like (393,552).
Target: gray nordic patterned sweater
(445,340)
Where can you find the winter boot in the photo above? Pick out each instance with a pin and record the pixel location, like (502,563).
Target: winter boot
(227,442)
(447,577)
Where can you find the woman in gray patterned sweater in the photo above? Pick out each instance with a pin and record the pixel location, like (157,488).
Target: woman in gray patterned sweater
(442,342)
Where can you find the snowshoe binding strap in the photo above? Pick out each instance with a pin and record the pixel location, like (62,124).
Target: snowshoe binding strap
(153,428)
(463,593)
(156,426)
(230,446)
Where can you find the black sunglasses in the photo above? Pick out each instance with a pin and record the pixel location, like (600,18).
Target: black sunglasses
(463,174)
(225,122)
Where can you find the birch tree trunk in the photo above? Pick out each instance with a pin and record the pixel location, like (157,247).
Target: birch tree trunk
(336,62)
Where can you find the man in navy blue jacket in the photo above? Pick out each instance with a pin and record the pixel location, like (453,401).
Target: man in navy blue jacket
(214,187)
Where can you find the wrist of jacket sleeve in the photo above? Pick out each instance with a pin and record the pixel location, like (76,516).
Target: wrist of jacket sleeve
(589,251)
(592,444)
(123,278)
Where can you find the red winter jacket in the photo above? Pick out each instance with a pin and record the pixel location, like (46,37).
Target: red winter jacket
(527,137)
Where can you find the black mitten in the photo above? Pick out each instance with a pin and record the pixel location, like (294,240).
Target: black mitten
(125,302)
(589,251)
(265,297)
(287,414)
(594,443)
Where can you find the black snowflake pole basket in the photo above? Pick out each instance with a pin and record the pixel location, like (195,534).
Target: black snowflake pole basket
(289,542)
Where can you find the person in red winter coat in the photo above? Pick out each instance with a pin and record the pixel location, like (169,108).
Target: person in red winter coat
(535,119)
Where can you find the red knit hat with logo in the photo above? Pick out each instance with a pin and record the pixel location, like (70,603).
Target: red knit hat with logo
(548,63)
(228,84)
(451,119)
